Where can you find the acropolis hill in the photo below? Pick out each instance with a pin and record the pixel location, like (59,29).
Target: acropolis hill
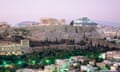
(52,29)
(55,34)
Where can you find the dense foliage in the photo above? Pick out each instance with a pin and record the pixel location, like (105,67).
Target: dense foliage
(39,59)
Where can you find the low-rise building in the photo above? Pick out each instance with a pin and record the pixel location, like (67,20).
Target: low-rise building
(92,62)
(78,58)
(50,68)
(113,55)
(4,25)
(107,62)
(83,67)
(9,48)
(62,65)
(90,68)
(113,68)
(100,65)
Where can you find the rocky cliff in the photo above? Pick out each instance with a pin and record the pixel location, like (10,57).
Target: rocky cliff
(58,32)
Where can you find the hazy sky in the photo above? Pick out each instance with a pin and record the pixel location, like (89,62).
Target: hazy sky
(15,11)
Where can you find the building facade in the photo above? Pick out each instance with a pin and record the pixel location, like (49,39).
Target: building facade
(14,48)
(51,21)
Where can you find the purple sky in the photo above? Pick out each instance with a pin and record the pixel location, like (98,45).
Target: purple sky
(15,11)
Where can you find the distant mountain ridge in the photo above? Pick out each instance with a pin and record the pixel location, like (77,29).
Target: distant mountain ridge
(108,23)
(25,23)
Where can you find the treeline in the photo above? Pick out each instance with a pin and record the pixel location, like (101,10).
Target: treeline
(62,41)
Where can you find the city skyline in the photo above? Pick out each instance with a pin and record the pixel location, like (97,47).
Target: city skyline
(14,11)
